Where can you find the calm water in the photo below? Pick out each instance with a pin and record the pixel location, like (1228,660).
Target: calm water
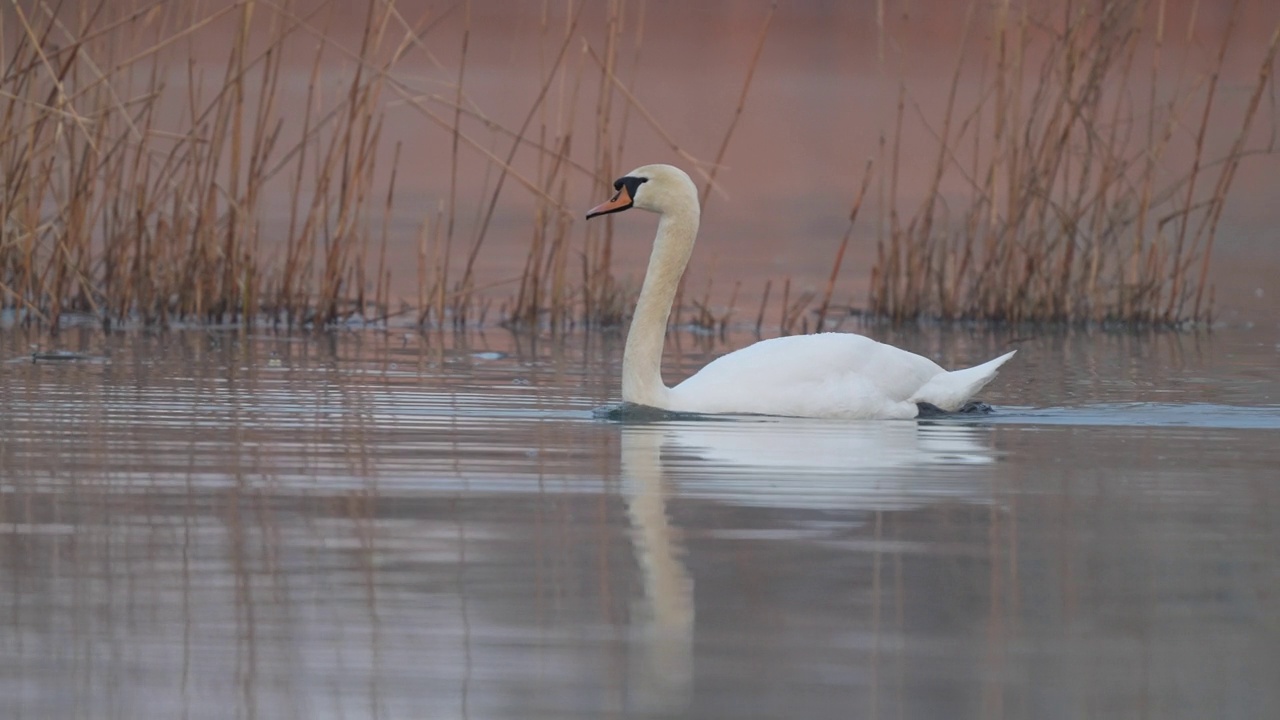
(380,525)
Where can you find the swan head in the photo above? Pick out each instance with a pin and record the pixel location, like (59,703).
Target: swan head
(658,188)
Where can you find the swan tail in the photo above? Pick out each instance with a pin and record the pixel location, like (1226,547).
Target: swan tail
(950,390)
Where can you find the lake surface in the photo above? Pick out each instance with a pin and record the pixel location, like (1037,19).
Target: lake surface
(388,525)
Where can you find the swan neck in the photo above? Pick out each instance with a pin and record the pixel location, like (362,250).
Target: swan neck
(642,359)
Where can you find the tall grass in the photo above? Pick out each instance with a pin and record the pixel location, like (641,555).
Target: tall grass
(109,211)
(1088,200)
(138,180)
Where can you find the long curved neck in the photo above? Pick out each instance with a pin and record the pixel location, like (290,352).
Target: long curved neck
(642,359)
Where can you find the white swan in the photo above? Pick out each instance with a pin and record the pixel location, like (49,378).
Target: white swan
(835,375)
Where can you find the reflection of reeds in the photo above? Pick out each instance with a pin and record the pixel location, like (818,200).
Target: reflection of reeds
(1071,213)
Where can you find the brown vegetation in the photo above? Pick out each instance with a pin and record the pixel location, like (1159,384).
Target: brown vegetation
(1081,206)
(106,211)
(112,208)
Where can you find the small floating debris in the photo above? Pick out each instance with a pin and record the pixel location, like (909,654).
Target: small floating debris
(39,356)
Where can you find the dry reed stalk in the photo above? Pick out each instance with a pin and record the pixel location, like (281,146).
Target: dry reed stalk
(1193,174)
(825,305)
(793,311)
(443,251)
(601,296)
(451,217)
(1066,217)
(547,255)
(424,308)
(604,303)
(742,104)
(382,297)
(764,301)
(612,82)
(545,188)
(1237,152)
(298,258)
(108,213)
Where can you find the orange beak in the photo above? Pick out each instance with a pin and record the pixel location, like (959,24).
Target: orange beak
(620,202)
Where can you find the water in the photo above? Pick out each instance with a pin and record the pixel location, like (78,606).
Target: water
(374,524)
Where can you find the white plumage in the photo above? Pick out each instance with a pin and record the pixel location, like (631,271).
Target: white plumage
(836,375)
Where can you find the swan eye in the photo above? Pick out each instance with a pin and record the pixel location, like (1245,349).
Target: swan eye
(631,183)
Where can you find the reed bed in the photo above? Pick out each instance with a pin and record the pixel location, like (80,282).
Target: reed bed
(115,210)
(141,184)
(1087,199)
(110,210)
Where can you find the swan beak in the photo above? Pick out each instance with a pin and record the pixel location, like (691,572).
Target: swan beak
(620,202)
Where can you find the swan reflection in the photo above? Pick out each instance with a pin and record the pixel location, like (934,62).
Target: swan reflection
(817,464)
(773,462)
(661,666)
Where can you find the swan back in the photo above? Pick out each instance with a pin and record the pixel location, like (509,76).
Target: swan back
(826,375)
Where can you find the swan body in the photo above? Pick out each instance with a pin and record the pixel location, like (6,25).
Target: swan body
(831,375)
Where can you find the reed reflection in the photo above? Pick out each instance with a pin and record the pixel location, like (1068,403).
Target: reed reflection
(870,473)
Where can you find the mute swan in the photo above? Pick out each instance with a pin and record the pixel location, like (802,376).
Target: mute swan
(831,375)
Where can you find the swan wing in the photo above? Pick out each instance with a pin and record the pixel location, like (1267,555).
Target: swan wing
(826,375)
